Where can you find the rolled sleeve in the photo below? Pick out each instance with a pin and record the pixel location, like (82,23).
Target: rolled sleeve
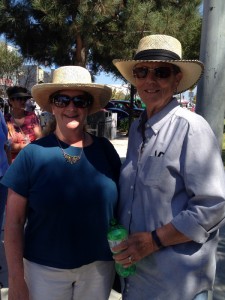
(203,174)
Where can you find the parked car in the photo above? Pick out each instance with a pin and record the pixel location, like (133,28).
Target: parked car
(121,114)
(125,105)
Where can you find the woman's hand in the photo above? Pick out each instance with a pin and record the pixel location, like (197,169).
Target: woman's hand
(135,248)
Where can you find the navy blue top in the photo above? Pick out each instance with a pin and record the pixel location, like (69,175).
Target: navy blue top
(69,205)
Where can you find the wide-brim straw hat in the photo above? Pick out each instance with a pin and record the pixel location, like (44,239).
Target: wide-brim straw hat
(162,48)
(71,78)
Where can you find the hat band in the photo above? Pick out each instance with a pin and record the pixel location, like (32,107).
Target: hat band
(157,54)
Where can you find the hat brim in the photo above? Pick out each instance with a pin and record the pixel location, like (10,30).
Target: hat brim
(20,95)
(192,71)
(101,94)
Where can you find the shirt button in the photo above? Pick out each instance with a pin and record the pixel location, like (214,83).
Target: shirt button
(131,187)
(129,212)
(147,126)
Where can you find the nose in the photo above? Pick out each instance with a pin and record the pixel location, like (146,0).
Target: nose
(71,105)
(151,75)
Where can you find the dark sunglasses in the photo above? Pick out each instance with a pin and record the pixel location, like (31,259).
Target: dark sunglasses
(80,101)
(160,72)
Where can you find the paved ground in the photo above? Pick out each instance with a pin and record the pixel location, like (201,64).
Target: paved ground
(120,144)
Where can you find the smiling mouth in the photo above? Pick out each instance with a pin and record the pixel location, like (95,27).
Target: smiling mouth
(151,91)
(71,117)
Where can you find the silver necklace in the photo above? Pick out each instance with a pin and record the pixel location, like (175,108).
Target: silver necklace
(71,159)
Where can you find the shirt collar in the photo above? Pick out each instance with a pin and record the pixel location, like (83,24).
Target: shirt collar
(158,119)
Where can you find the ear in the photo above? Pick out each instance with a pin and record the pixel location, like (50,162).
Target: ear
(176,82)
(178,78)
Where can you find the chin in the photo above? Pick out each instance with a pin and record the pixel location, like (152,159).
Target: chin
(73,125)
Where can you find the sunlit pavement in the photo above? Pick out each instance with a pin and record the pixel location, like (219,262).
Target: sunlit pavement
(120,144)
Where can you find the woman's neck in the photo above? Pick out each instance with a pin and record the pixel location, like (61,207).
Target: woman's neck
(72,137)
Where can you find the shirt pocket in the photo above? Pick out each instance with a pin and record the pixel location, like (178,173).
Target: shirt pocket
(151,171)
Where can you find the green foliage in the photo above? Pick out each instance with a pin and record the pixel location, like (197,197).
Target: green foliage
(119,94)
(123,125)
(93,33)
(10,60)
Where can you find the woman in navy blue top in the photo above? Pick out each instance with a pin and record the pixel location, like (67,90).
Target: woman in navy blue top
(63,189)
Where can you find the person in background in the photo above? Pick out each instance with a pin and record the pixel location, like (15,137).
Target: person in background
(67,195)
(30,105)
(172,191)
(47,122)
(23,126)
(5,160)
(2,104)
(4,107)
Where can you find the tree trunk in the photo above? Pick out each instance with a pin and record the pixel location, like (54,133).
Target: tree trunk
(80,52)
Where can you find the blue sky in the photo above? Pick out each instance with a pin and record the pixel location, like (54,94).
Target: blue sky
(105,78)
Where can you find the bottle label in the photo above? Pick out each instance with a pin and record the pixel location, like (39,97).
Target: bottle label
(115,243)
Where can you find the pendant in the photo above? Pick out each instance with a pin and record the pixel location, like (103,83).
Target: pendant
(70,158)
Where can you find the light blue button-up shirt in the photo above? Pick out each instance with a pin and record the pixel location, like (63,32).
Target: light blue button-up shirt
(173,173)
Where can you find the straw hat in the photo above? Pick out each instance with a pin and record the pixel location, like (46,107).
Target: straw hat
(67,78)
(162,48)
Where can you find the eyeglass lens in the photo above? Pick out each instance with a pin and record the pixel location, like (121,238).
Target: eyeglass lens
(80,101)
(161,72)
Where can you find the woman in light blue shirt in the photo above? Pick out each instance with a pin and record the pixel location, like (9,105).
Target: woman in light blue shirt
(172,191)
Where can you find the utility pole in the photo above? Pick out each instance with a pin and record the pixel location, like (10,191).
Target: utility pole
(211,88)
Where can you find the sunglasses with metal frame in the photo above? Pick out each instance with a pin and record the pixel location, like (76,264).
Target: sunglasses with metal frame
(160,72)
(80,101)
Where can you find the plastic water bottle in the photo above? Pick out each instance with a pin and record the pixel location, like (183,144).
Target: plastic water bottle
(117,234)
